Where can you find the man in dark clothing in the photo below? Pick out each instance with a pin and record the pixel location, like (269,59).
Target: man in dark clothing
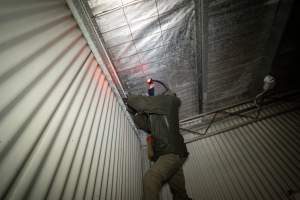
(158,115)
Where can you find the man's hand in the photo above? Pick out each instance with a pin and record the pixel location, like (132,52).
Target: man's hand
(150,151)
(125,100)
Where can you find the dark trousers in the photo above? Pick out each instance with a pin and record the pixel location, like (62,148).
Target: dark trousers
(167,169)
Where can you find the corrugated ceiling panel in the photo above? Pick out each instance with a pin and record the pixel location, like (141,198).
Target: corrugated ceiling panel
(256,161)
(63,133)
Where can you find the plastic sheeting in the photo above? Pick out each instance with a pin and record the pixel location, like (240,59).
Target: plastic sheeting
(152,38)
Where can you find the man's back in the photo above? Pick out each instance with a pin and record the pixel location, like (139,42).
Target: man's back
(162,112)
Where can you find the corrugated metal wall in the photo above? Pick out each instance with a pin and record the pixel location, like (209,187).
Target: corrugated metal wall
(63,133)
(256,161)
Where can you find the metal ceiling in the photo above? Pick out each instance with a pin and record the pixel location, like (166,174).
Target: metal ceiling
(211,52)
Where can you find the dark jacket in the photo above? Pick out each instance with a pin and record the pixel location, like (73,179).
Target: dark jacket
(158,115)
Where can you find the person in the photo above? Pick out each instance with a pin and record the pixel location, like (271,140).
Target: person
(158,116)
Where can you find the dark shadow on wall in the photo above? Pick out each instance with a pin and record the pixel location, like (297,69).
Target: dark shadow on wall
(286,64)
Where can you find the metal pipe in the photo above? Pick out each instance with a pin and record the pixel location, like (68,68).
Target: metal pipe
(239,125)
(282,96)
(239,114)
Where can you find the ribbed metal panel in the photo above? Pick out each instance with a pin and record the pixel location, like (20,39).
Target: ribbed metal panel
(256,161)
(63,133)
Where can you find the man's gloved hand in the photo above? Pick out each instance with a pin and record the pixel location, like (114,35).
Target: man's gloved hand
(129,108)
(125,100)
(150,151)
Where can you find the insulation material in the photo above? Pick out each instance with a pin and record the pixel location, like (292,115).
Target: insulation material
(237,35)
(63,131)
(152,39)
